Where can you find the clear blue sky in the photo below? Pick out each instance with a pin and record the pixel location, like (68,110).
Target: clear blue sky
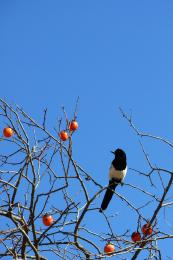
(110,54)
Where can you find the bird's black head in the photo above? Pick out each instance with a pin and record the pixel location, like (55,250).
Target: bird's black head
(119,162)
(119,153)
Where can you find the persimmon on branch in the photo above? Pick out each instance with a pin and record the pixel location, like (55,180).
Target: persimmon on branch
(47,198)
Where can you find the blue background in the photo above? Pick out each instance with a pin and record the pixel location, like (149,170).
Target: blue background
(110,54)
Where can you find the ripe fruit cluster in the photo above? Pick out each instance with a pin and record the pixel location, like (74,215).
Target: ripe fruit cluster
(147,230)
(73,126)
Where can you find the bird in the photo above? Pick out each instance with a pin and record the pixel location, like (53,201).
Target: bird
(117,173)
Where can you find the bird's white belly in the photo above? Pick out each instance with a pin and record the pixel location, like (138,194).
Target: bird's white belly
(113,173)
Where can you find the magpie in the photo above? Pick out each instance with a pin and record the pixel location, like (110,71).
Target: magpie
(117,173)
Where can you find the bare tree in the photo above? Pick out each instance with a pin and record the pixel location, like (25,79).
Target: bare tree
(39,169)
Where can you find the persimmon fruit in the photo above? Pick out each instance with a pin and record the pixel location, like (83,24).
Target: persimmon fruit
(109,248)
(73,125)
(63,135)
(136,237)
(47,219)
(147,229)
(8,132)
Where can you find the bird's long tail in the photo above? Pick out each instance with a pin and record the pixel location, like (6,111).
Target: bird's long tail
(108,195)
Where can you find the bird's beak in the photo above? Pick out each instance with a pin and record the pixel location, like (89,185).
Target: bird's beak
(113,152)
